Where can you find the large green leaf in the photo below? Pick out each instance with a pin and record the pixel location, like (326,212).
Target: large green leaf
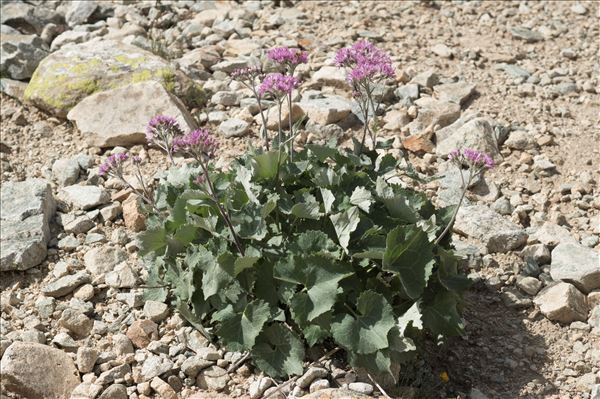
(441,316)
(152,240)
(278,352)
(314,330)
(412,317)
(365,332)
(308,209)
(344,224)
(328,199)
(320,275)
(267,164)
(409,253)
(362,198)
(239,330)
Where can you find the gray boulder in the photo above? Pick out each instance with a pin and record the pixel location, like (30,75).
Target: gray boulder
(20,55)
(576,264)
(477,134)
(562,302)
(25,210)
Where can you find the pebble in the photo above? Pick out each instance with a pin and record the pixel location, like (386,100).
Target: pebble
(142,332)
(86,358)
(361,387)
(310,375)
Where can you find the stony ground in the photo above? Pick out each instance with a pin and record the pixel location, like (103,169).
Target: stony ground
(518,80)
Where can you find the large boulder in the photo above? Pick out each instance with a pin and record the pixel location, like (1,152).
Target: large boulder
(25,210)
(34,371)
(20,55)
(562,302)
(477,134)
(76,71)
(498,234)
(576,264)
(119,117)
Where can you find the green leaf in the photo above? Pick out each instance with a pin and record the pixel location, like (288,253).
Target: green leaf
(243,177)
(267,164)
(412,317)
(409,253)
(247,261)
(448,272)
(362,198)
(309,209)
(314,330)
(153,240)
(278,352)
(328,199)
(269,206)
(239,330)
(218,274)
(314,242)
(322,152)
(365,332)
(318,274)
(441,316)
(344,224)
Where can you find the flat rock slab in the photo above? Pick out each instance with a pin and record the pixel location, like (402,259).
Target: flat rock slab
(456,92)
(76,71)
(326,110)
(34,371)
(84,197)
(577,265)
(119,117)
(496,232)
(25,209)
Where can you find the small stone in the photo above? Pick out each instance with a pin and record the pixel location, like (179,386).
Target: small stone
(123,276)
(226,98)
(457,92)
(76,322)
(562,302)
(518,140)
(442,50)
(65,171)
(33,336)
(258,387)
(115,391)
(538,252)
(155,366)
(213,378)
(529,285)
(594,319)
(86,358)
(208,353)
(318,385)
(361,387)
(65,285)
(64,341)
(331,76)
(132,214)
(551,235)
(234,127)
(85,197)
(69,243)
(528,35)
(579,9)
(577,265)
(428,78)
(142,332)
(324,111)
(193,365)
(115,373)
(310,375)
(121,344)
(101,260)
(110,212)
(85,292)
(78,225)
(156,311)
(164,390)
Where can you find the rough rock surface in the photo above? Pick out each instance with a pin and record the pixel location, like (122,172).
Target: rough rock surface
(34,371)
(68,75)
(119,117)
(477,134)
(26,209)
(577,265)
(562,302)
(20,55)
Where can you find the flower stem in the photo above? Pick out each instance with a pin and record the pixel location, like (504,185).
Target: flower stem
(289,98)
(462,196)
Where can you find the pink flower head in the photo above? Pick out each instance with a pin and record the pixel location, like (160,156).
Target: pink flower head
(113,164)
(365,61)
(291,57)
(162,127)
(278,85)
(471,157)
(248,73)
(197,143)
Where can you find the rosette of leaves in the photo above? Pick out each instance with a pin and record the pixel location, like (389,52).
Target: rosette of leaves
(334,254)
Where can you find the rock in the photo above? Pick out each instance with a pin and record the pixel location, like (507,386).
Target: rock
(272,122)
(155,366)
(310,375)
(551,235)
(20,55)
(80,12)
(15,89)
(361,387)
(156,311)
(538,252)
(25,211)
(395,120)
(326,110)
(101,260)
(81,224)
(76,322)
(74,72)
(543,166)
(514,71)
(22,17)
(31,370)
(522,33)
(428,78)
(518,140)
(318,385)
(33,336)
(69,37)
(476,134)
(86,358)
(116,118)
(208,353)
(442,50)
(133,216)
(577,265)
(115,373)
(433,112)
(121,344)
(67,284)
(331,76)
(562,302)
(529,285)
(84,197)
(595,394)
(86,390)
(142,332)
(65,341)
(110,212)
(234,127)
(226,98)
(594,319)
(115,391)
(258,387)
(230,65)
(456,93)
(336,393)
(192,366)
(164,390)
(123,276)
(213,378)
(477,394)
(580,9)
(496,232)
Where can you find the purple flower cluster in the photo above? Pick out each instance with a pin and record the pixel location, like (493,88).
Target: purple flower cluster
(291,57)
(248,73)
(365,61)
(113,164)
(162,126)
(472,158)
(198,143)
(278,85)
